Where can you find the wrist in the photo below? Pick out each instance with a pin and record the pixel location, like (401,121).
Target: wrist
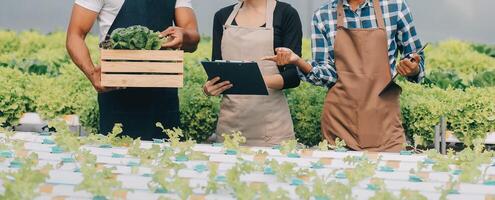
(303,65)
(204,91)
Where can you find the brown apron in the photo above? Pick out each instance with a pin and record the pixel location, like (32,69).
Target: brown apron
(353,111)
(263,120)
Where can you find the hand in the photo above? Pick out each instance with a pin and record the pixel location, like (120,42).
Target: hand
(409,67)
(213,88)
(95,78)
(176,37)
(284,57)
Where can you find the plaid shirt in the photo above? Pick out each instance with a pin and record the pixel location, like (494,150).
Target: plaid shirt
(402,36)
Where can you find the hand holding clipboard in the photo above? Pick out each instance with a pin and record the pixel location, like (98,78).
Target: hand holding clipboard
(412,59)
(235,78)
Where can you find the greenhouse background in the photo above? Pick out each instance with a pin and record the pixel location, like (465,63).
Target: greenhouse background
(436,20)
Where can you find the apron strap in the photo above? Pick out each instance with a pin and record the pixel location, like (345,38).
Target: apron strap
(378,14)
(376,6)
(270,9)
(232,16)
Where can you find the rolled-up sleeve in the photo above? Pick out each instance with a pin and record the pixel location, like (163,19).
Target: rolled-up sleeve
(93,5)
(323,72)
(183,4)
(408,41)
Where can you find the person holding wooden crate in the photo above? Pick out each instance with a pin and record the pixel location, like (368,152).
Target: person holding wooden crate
(355,46)
(138,109)
(248,31)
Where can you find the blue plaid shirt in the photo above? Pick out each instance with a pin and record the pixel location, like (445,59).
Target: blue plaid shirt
(402,36)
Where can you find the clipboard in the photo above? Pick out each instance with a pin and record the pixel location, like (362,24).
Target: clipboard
(245,76)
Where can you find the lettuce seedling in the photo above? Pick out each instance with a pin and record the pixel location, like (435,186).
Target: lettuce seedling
(99,182)
(22,184)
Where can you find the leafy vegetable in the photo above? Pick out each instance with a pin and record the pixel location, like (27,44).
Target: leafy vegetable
(135,38)
(233,141)
(65,138)
(445,79)
(288,146)
(111,138)
(212,186)
(99,182)
(22,184)
(363,168)
(484,79)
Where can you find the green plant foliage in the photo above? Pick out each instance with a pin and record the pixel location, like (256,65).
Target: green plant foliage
(111,138)
(135,38)
(233,141)
(288,146)
(212,185)
(411,195)
(467,161)
(306,104)
(458,56)
(470,113)
(485,49)
(284,171)
(22,184)
(364,168)
(382,193)
(37,76)
(444,80)
(484,79)
(13,101)
(65,138)
(98,182)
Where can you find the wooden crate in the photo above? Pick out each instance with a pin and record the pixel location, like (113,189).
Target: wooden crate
(142,68)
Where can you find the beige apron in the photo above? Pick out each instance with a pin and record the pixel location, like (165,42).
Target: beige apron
(263,120)
(353,111)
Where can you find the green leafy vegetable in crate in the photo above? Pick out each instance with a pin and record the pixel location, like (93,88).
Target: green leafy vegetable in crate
(134,38)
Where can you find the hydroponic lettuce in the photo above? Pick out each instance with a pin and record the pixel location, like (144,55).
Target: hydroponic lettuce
(134,38)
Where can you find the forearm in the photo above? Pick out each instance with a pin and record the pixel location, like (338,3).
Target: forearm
(275,82)
(79,54)
(303,66)
(191,40)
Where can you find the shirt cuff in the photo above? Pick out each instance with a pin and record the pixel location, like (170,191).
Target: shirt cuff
(301,75)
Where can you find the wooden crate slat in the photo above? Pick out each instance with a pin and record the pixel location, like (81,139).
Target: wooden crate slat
(142,55)
(142,80)
(141,67)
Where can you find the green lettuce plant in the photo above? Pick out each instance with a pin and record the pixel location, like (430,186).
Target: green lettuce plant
(23,183)
(135,38)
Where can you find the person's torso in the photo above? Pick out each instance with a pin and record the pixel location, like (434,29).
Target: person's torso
(279,21)
(362,18)
(107,16)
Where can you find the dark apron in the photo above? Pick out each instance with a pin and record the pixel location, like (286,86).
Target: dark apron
(138,109)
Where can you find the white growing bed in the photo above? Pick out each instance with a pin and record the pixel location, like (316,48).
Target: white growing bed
(63,179)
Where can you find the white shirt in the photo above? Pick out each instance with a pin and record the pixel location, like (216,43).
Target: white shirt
(108,10)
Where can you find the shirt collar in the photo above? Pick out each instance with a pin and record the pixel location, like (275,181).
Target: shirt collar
(346,3)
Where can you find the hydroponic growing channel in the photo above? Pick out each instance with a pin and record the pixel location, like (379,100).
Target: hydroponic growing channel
(63,166)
